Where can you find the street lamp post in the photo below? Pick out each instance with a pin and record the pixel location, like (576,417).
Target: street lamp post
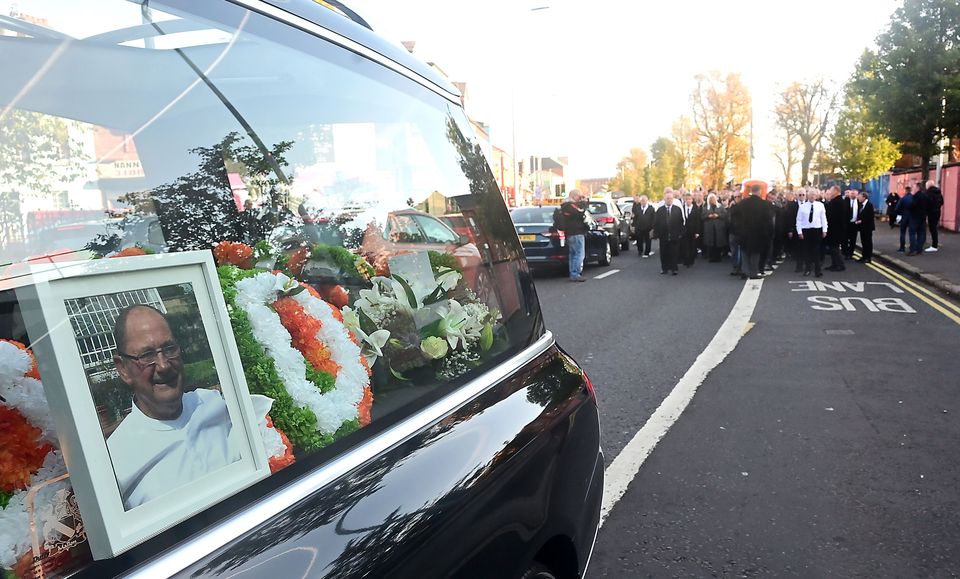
(513,118)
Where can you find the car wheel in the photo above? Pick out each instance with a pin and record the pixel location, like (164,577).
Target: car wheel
(615,245)
(538,571)
(607,255)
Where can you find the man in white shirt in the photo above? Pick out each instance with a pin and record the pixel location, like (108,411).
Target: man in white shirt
(811,230)
(170,437)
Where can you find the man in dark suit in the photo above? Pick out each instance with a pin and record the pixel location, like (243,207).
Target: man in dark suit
(837,220)
(791,243)
(866,221)
(668,228)
(691,230)
(643,213)
(852,229)
(756,230)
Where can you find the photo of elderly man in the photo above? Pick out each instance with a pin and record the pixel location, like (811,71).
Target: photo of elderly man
(173,434)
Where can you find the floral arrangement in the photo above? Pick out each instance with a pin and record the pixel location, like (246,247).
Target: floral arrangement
(426,325)
(296,349)
(29,452)
(133,251)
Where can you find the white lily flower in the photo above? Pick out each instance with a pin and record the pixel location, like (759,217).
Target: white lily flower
(453,320)
(448,279)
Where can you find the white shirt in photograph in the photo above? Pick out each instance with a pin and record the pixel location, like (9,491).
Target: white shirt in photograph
(154,457)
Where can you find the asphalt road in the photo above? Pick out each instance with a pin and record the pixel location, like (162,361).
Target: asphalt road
(825,445)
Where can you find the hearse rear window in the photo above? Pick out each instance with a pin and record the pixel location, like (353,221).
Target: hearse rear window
(224,262)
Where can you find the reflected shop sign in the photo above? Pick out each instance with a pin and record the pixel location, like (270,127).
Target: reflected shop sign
(125,169)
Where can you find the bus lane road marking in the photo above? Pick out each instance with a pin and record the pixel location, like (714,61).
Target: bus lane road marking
(828,298)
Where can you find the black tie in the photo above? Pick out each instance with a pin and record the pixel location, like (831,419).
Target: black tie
(810,219)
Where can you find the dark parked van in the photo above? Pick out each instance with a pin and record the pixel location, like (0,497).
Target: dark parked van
(202,383)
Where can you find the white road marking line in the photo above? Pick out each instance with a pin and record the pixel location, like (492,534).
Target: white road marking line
(608,274)
(627,464)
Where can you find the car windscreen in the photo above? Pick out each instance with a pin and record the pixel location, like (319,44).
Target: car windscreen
(533,214)
(598,207)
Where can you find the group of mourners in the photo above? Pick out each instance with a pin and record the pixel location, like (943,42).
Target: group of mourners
(804,224)
(917,209)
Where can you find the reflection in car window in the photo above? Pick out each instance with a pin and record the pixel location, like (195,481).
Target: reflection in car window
(435,231)
(301,166)
(533,214)
(597,207)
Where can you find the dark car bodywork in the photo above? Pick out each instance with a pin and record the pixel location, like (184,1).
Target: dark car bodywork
(545,245)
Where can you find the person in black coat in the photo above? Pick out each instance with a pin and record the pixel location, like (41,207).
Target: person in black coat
(934,207)
(643,213)
(917,213)
(668,228)
(837,208)
(892,200)
(691,230)
(756,228)
(866,221)
(790,209)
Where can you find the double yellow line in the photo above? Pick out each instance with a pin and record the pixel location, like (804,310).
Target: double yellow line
(935,301)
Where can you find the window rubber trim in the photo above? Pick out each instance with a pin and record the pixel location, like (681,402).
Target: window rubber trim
(344,42)
(195,548)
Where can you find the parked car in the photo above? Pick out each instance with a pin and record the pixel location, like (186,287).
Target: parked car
(462,224)
(545,245)
(401,425)
(625,205)
(608,215)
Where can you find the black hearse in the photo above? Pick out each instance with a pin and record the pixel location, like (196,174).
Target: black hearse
(384,408)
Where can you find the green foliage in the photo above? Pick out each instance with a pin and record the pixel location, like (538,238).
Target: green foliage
(860,150)
(666,168)
(914,69)
(5,499)
(37,153)
(343,258)
(202,374)
(440,260)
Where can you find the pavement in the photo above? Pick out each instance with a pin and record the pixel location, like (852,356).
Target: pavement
(940,269)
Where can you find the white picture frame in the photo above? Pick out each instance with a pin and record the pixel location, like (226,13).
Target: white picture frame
(112,527)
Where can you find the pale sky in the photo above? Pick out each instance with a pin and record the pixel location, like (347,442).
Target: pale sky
(594,80)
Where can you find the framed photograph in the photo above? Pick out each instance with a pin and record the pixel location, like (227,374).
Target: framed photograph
(146,390)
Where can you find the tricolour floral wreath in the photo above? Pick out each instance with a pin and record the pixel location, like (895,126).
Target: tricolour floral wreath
(296,349)
(29,451)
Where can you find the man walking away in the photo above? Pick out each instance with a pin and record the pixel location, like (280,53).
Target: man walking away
(811,227)
(892,200)
(918,221)
(573,222)
(903,213)
(935,206)
(756,225)
(866,221)
(836,210)
(668,228)
(643,213)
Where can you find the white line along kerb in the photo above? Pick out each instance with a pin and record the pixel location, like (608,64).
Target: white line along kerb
(607,274)
(627,464)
